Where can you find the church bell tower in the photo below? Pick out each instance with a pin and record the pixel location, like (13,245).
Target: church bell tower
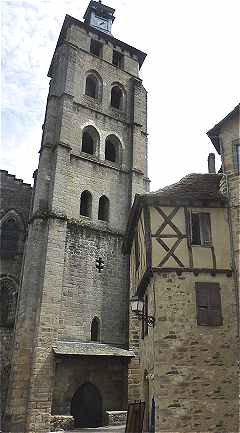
(71,334)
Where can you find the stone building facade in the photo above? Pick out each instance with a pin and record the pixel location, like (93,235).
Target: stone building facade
(71,352)
(183,288)
(225,137)
(14,214)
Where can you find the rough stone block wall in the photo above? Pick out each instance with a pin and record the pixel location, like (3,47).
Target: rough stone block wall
(15,196)
(230,137)
(86,293)
(192,369)
(108,375)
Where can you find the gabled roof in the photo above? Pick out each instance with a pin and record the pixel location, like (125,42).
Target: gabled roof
(108,37)
(213,133)
(194,190)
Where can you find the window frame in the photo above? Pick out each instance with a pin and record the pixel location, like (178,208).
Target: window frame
(204,241)
(119,56)
(100,46)
(209,313)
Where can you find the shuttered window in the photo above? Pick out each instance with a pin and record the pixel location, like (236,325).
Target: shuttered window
(208,302)
(201,228)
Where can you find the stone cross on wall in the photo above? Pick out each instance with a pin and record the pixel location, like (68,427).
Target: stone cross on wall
(99,264)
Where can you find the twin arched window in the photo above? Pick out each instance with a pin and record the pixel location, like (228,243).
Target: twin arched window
(86,206)
(93,88)
(90,144)
(8,302)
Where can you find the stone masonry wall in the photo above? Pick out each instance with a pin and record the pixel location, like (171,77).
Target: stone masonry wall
(86,293)
(108,375)
(192,369)
(230,137)
(15,196)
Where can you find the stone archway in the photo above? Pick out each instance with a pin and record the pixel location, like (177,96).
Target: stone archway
(86,406)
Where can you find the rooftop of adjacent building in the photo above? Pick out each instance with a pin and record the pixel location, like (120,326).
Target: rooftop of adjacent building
(11,177)
(193,190)
(213,133)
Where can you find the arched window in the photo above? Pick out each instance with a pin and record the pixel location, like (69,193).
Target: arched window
(91,86)
(8,302)
(95,329)
(117,97)
(112,149)
(86,204)
(90,140)
(103,209)
(9,237)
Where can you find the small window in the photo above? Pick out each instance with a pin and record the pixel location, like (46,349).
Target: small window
(8,303)
(87,143)
(90,140)
(208,303)
(103,210)
(117,98)
(95,330)
(117,59)
(86,204)
(96,48)
(9,237)
(91,86)
(112,149)
(238,157)
(201,229)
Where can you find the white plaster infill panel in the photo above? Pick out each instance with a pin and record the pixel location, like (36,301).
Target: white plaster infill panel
(89,349)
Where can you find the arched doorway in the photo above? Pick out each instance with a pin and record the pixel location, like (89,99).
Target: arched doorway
(86,406)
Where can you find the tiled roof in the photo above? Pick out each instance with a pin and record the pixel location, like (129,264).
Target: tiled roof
(203,187)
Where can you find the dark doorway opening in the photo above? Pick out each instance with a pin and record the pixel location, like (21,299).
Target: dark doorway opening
(86,406)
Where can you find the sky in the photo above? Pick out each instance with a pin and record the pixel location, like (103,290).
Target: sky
(191,74)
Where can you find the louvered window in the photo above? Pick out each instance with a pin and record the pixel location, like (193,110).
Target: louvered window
(208,302)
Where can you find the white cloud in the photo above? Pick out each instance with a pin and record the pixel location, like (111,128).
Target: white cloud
(191,74)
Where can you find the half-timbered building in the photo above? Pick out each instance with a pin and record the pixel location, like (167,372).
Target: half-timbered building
(183,293)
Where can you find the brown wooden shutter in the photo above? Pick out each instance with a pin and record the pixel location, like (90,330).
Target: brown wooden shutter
(208,301)
(205,226)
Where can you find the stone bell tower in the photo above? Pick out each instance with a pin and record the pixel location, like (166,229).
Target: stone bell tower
(70,356)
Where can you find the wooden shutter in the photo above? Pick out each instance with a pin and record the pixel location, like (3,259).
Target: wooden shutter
(208,302)
(195,226)
(205,227)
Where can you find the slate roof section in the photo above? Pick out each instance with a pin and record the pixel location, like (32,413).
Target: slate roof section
(200,187)
(193,190)
(89,349)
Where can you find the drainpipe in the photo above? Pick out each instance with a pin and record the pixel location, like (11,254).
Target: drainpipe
(235,272)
